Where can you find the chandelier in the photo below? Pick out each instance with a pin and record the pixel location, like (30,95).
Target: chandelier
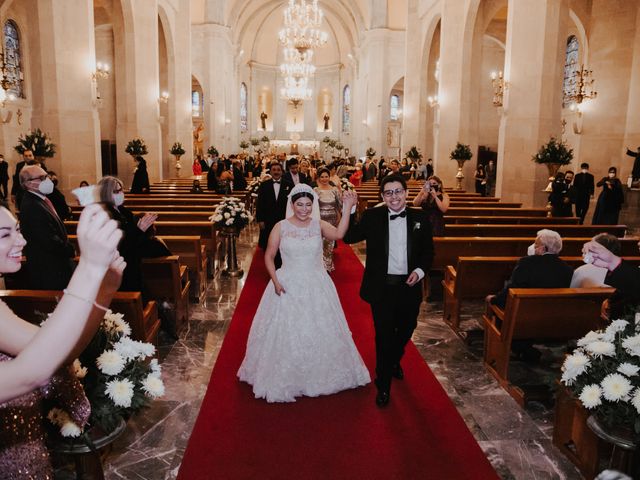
(302,26)
(580,86)
(297,64)
(296,90)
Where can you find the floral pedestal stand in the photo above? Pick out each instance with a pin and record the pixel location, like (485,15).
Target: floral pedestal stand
(232,270)
(623,456)
(178,165)
(553,170)
(459,175)
(88,460)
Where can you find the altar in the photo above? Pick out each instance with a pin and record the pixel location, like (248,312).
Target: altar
(294,147)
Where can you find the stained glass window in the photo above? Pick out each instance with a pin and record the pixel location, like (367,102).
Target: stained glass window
(243,108)
(394,107)
(13,59)
(570,68)
(195,104)
(346,109)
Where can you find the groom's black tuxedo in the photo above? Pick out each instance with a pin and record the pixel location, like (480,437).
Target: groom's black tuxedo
(394,304)
(269,209)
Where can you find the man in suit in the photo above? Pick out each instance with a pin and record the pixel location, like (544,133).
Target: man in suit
(239,182)
(16,188)
(399,253)
(271,204)
(49,254)
(370,172)
(294,176)
(4,177)
(583,190)
(635,172)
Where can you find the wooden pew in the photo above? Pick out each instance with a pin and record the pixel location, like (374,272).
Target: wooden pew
(531,230)
(144,322)
(498,220)
(448,249)
(477,277)
(167,281)
(545,314)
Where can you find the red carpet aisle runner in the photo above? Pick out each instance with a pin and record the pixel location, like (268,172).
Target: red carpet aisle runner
(420,435)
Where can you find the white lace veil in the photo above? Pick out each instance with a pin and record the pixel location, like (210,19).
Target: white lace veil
(299,188)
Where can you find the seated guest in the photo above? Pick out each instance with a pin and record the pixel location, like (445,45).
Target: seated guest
(622,276)
(588,275)
(135,238)
(58,200)
(542,269)
(195,188)
(239,182)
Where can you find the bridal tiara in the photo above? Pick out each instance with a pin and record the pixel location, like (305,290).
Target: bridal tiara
(300,188)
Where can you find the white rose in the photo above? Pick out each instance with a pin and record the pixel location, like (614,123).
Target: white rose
(229,222)
(227,215)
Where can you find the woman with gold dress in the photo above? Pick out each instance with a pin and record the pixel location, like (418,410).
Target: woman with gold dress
(330,200)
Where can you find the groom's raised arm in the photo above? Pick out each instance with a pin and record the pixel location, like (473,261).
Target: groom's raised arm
(357,231)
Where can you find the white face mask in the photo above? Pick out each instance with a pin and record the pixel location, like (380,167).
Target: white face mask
(118,199)
(46,186)
(531,249)
(612,175)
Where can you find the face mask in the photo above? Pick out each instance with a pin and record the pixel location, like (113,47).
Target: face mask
(46,186)
(612,175)
(118,199)
(531,249)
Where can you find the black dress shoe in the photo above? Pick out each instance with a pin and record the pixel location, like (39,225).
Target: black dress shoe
(382,399)
(397,372)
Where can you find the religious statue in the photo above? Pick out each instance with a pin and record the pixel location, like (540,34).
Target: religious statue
(326,121)
(198,140)
(263,120)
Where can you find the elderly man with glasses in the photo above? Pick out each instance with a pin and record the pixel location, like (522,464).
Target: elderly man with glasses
(399,253)
(49,253)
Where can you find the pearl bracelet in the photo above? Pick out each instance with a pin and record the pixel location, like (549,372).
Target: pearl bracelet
(95,304)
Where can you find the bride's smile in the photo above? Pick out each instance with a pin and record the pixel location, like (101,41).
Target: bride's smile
(302,209)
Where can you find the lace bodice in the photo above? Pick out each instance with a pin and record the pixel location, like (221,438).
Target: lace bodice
(301,247)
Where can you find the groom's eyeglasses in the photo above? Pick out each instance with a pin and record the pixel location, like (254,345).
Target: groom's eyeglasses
(390,193)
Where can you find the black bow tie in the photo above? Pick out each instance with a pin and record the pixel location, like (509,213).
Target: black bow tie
(401,214)
(276,181)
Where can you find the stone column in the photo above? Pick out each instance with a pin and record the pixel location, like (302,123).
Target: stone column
(412,120)
(534,64)
(62,63)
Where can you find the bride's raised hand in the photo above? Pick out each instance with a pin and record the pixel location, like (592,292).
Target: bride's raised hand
(349,199)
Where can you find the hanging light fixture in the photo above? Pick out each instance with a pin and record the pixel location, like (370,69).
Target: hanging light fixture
(296,90)
(302,21)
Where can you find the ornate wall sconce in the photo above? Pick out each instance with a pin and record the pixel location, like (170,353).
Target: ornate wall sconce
(433,101)
(499,86)
(102,71)
(581,86)
(164,97)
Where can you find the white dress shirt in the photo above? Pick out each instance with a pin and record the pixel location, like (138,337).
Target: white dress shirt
(295,178)
(276,188)
(398,262)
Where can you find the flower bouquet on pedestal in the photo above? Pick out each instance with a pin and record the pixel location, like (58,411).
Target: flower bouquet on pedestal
(213,151)
(136,147)
(603,372)
(370,152)
(230,217)
(553,154)
(177,151)
(118,377)
(38,142)
(462,153)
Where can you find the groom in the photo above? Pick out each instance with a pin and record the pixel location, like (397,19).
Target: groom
(399,253)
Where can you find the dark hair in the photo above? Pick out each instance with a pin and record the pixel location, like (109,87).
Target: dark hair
(299,195)
(610,242)
(84,183)
(584,165)
(275,164)
(393,178)
(292,161)
(395,161)
(569,171)
(613,169)
(322,170)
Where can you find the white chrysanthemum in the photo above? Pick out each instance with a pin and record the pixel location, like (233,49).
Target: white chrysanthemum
(615,387)
(573,366)
(229,222)
(632,345)
(637,318)
(62,419)
(591,396)
(110,362)
(226,215)
(156,369)
(121,392)
(132,349)
(635,400)
(218,218)
(617,326)
(145,349)
(629,369)
(588,338)
(70,429)
(153,386)
(78,370)
(600,348)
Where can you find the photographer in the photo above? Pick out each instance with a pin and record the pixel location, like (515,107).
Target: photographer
(610,200)
(434,202)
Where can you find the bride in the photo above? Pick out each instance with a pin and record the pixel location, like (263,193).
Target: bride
(300,343)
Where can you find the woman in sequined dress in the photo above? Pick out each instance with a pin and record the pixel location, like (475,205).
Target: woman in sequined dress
(31,355)
(330,201)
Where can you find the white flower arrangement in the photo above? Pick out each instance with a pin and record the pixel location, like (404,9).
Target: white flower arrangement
(346,184)
(603,372)
(61,419)
(231,212)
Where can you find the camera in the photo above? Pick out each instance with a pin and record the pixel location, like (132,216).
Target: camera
(427,187)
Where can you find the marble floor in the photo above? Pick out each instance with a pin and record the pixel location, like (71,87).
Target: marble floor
(517,442)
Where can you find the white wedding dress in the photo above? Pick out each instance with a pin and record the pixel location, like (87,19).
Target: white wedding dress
(300,343)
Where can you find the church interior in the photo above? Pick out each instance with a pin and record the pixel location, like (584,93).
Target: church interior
(376,78)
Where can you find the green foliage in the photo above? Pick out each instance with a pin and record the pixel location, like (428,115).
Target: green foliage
(254,141)
(136,147)
(414,153)
(265,139)
(326,139)
(339,146)
(244,144)
(461,152)
(554,152)
(212,151)
(370,152)
(177,149)
(38,142)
